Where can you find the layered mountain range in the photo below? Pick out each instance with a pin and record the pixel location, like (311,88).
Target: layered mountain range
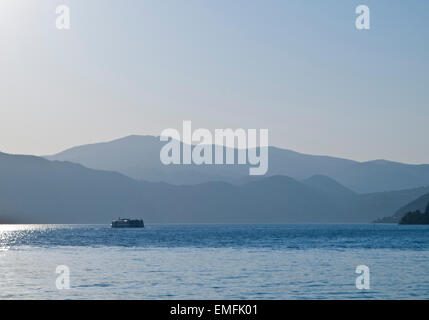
(139,157)
(98,182)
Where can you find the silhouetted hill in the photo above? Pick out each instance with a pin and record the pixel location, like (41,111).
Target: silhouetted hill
(35,190)
(418,204)
(138,157)
(420,196)
(328,185)
(415,218)
(39,191)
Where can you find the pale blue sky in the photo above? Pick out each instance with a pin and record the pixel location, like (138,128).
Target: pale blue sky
(298,68)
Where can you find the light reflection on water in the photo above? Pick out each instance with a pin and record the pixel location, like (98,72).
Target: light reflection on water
(335,237)
(11,234)
(214,261)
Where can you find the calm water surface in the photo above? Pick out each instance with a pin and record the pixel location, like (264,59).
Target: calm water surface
(214,261)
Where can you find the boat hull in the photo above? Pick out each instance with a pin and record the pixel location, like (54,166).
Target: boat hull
(127,223)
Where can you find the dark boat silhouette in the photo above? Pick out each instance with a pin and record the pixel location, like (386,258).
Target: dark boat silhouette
(127,223)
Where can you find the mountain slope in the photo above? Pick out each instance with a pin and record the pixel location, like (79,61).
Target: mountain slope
(418,204)
(35,190)
(328,185)
(138,157)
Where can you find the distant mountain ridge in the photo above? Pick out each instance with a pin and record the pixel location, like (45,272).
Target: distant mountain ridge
(35,190)
(138,157)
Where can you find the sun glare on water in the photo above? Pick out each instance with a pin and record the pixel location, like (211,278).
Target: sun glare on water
(10,234)
(14,227)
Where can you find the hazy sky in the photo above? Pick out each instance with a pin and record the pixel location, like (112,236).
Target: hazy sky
(299,68)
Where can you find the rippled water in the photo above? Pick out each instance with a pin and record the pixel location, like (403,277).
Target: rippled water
(214,261)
